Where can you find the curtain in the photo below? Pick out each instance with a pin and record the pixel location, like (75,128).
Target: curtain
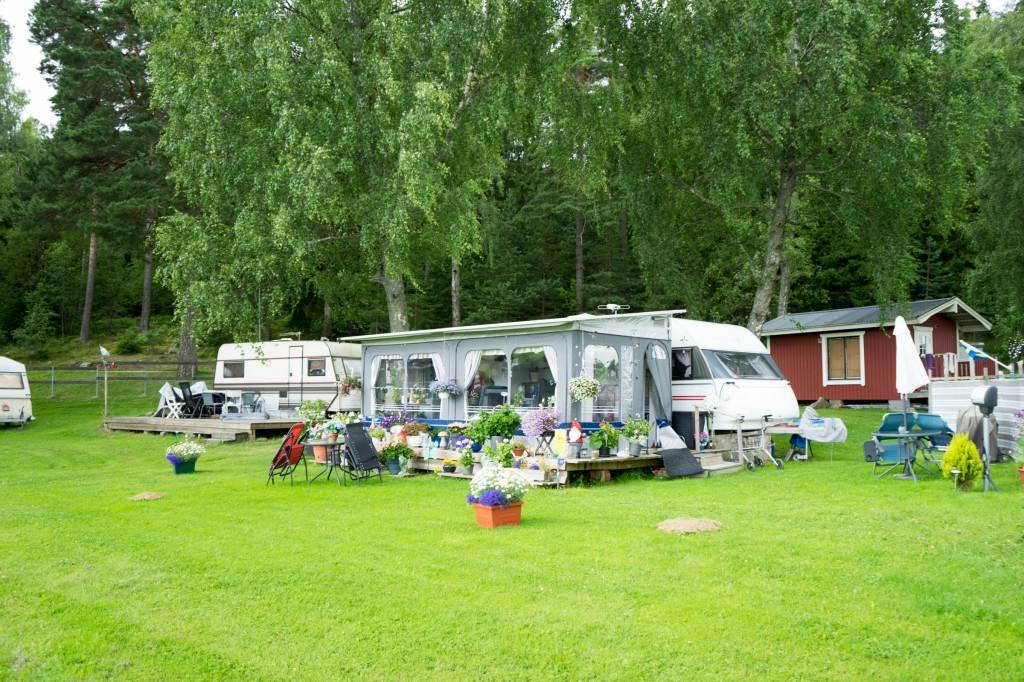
(438,365)
(552,358)
(472,367)
(661,391)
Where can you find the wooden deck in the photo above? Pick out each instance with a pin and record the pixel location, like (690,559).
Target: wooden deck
(572,466)
(217,429)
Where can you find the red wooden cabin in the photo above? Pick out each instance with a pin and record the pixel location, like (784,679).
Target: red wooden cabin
(850,354)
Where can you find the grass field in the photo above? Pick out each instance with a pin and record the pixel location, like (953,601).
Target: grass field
(820,572)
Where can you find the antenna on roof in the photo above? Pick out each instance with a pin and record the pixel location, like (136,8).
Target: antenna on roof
(614,307)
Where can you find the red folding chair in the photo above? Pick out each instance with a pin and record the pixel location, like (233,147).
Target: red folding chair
(288,456)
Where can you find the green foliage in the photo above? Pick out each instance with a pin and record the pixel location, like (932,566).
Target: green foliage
(606,436)
(501,421)
(502,454)
(962,454)
(396,451)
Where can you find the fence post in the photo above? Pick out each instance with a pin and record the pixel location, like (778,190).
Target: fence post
(97,383)
(51,381)
(145,378)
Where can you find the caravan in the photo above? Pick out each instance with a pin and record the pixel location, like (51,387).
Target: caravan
(286,373)
(15,396)
(724,372)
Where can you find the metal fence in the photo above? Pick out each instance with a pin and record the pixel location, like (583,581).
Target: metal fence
(146,372)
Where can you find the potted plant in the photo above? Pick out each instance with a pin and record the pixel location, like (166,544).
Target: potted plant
(637,431)
(501,422)
(349,384)
(183,455)
(603,440)
(497,496)
(414,432)
(537,423)
(466,460)
(1018,444)
(518,448)
(312,412)
(392,423)
(502,454)
(962,455)
(333,428)
(377,434)
(445,387)
(392,455)
(583,388)
(448,466)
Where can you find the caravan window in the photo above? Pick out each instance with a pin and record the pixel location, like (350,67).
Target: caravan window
(533,374)
(488,379)
(316,367)
(234,370)
(688,364)
(736,365)
(11,380)
(422,371)
(348,367)
(602,363)
(388,382)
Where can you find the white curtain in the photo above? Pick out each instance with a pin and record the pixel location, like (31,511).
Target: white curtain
(472,367)
(552,358)
(438,365)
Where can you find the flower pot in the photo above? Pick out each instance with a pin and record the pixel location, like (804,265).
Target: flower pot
(320,453)
(184,467)
(1020,470)
(477,447)
(414,441)
(634,449)
(572,450)
(492,517)
(377,443)
(605,451)
(518,452)
(468,470)
(332,437)
(394,466)
(448,468)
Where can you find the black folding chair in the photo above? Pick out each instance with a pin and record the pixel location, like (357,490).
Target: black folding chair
(193,405)
(361,460)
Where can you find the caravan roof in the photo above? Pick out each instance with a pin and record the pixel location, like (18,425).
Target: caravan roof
(715,336)
(8,365)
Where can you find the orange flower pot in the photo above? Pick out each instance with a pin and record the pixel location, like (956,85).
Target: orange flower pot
(1020,470)
(492,517)
(320,453)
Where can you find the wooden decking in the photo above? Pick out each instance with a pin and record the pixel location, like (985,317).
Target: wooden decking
(218,429)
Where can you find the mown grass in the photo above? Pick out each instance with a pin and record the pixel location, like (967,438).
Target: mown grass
(821,571)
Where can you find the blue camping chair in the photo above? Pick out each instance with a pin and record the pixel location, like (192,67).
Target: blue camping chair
(884,454)
(892,422)
(933,447)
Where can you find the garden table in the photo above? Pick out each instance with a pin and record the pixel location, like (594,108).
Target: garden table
(335,457)
(908,443)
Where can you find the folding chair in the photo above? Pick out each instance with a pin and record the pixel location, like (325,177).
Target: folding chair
(212,404)
(252,402)
(361,460)
(288,456)
(884,454)
(193,405)
(933,447)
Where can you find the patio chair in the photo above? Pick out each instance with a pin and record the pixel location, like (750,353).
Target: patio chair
(892,422)
(933,447)
(884,454)
(289,455)
(252,402)
(361,460)
(213,404)
(193,405)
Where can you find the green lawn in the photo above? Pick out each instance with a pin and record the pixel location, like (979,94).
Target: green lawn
(821,571)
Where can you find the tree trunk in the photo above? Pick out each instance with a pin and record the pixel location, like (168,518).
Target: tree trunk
(394,292)
(147,279)
(784,283)
(187,346)
(456,294)
(328,319)
(773,249)
(90,288)
(579,251)
(624,227)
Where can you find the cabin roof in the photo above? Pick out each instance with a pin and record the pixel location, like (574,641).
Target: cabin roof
(915,312)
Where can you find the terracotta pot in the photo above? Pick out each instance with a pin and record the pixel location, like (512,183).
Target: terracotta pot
(1020,470)
(492,517)
(518,452)
(319,453)
(332,437)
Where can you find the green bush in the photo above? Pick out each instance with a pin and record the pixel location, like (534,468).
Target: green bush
(501,421)
(962,455)
(128,345)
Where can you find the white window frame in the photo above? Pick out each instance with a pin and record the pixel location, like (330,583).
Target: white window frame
(823,339)
(921,333)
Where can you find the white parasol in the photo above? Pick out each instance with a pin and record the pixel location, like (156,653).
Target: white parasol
(910,371)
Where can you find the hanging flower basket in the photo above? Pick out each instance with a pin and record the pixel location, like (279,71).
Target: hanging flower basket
(583,388)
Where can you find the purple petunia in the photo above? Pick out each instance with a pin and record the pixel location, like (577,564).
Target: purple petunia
(462,442)
(492,498)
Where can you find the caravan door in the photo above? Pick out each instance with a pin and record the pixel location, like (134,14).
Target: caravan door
(295,375)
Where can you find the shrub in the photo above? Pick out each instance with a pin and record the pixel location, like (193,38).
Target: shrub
(128,345)
(502,421)
(396,451)
(962,455)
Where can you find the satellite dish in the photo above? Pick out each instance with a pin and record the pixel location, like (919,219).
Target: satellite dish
(614,307)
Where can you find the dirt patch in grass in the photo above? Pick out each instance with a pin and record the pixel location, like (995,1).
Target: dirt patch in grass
(684,525)
(147,496)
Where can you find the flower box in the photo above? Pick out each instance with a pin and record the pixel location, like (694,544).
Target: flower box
(492,517)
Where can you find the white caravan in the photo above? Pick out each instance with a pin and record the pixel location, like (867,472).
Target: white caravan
(15,396)
(724,368)
(287,372)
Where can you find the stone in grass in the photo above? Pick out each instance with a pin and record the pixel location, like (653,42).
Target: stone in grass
(684,525)
(147,496)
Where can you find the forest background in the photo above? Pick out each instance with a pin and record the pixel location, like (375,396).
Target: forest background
(336,168)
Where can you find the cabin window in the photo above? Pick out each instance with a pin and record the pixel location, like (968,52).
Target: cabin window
(234,370)
(487,380)
(602,363)
(533,375)
(348,367)
(11,380)
(688,364)
(316,367)
(842,358)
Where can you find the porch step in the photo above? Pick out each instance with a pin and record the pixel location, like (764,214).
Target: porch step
(222,437)
(714,465)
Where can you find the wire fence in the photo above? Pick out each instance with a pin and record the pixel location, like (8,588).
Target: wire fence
(146,372)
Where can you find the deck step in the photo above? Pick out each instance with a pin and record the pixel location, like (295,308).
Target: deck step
(718,469)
